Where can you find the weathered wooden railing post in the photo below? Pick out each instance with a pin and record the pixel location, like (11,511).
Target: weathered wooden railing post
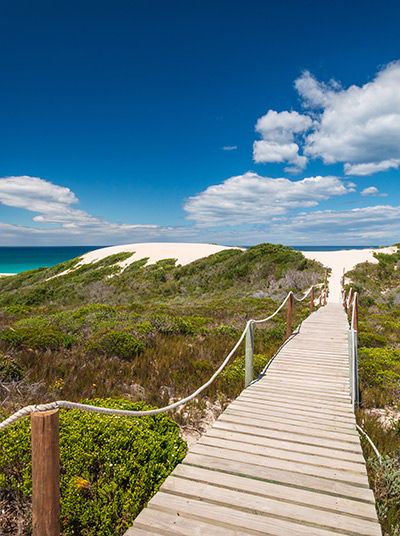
(289,318)
(45,473)
(350,296)
(248,375)
(312,300)
(355,323)
(345,300)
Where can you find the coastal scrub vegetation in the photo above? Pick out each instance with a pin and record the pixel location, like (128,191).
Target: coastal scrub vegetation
(148,334)
(379,372)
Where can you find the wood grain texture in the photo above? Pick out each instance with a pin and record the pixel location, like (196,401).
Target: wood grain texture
(283,458)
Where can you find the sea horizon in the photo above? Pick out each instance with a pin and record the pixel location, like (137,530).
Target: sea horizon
(17,259)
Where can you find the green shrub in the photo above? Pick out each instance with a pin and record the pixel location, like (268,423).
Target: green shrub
(110,466)
(44,338)
(119,343)
(18,310)
(9,369)
(380,367)
(230,331)
(234,373)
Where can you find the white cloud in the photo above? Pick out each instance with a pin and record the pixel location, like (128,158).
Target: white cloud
(381,221)
(53,206)
(371,167)
(269,151)
(250,198)
(371,190)
(281,126)
(278,130)
(358,125)
(229,148)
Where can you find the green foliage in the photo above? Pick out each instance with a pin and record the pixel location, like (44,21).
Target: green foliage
(110,466)
(18,310)
(380,366)
(235,371)
(229,331)
(9,369)
(42,338)
(119,343)
(387,481)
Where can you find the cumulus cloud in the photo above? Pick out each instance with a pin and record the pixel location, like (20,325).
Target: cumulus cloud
(358,126)
(250,198)
(278,130)
(270,151)
(372,191)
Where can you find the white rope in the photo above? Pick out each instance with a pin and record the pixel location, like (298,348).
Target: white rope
(307,293)
(65,404)
(371,443)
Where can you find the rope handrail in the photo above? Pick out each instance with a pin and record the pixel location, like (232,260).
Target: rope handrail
(65,404)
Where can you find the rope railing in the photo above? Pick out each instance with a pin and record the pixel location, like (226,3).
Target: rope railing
(352,301)
(247,332)
(45,424)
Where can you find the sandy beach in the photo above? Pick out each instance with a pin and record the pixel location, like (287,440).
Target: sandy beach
(342,261)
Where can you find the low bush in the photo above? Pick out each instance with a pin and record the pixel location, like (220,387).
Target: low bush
(235,371)
(110,466)
(119,343)
(46,338)
(9,369)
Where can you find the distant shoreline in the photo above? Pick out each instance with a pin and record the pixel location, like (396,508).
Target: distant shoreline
(17,259)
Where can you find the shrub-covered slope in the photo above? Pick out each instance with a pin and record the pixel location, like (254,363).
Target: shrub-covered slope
(151,334)
(379,371)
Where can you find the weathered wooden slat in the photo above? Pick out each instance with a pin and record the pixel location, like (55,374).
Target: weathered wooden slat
(286,493)
(264,505)
(283,458)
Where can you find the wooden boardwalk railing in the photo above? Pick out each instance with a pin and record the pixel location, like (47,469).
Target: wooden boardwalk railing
(283,459)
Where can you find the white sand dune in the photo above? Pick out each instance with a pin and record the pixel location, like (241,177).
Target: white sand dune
(184,253)
(343,261)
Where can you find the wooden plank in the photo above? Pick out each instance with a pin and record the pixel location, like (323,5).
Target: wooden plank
(274,407)
(278,491)
(302,429)
(269,452)
(288,436)
(292,447)
(282,418)
(172,523)
(283,458)
(224,516)
(350,477)
(267,506)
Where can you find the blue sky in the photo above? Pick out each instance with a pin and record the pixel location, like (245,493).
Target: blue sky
(172,121)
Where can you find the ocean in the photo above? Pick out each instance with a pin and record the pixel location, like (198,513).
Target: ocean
(19,259)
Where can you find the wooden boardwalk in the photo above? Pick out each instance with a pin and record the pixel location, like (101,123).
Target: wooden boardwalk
(283,459)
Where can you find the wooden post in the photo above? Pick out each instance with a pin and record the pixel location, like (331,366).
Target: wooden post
(312,300)
(344,300)
(350,295)
(45,473)
(355,324)
(248,376)
(289,317)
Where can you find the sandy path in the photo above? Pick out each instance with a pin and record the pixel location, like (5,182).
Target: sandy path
(343,261)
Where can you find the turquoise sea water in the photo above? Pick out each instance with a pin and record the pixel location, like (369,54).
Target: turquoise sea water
(19,259)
